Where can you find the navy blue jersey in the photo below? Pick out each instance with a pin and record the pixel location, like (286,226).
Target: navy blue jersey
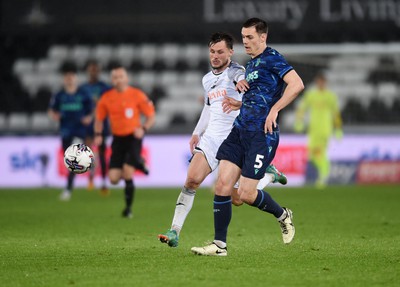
(96,90)
(72,108)
(264,74)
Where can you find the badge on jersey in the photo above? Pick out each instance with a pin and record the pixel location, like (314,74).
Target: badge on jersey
(128,113)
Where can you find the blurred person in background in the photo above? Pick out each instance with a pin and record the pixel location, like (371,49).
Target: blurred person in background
(72,108)
(95,88)
(212,128)
(324,120)
(124,106)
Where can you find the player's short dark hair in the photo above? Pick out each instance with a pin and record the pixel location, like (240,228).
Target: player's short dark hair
(68,67)
(221,36)
(260,25)
(320,76)
(91,62)
(116,65)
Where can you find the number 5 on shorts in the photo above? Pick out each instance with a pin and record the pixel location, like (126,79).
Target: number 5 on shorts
(259,162)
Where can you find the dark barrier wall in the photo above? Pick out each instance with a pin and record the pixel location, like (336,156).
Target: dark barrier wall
(291,21)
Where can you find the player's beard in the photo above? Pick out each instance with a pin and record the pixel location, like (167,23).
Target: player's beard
(220,67)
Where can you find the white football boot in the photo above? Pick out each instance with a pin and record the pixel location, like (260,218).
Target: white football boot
(65,195)
(287,226)
(210,250)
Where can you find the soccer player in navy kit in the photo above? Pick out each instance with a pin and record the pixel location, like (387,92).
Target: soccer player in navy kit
(72,108)
(252,143)
(95,88)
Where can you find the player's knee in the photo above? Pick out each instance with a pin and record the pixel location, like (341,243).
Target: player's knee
(221,188)
(237,201)
(192,182)
(114,180)
(246,197)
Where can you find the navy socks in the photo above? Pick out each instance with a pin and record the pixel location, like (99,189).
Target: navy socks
(265,203)
(222,216)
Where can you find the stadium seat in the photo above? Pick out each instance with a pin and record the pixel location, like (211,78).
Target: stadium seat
(18,122)
(125,53)
(189,108)
(192,78)
(23,66)
(31,82)
(82,77)
(80,54)
(146,80)
(387,92)
(186,92)
(53,81)
(45,66)
(353,61)
(288,119)
(102,53)
(41,123)
(162,121)
(58,52)
(147,53)
(169,53)
(193,53)
(168,78)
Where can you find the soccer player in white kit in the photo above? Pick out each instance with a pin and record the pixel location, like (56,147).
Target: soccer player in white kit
(214,125)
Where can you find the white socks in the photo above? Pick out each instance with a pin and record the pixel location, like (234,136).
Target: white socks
(183,206)
(283,216)
(267,179)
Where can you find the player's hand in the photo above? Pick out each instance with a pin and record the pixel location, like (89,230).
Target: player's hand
(86,120)
(339,134)
(270,122)
(139,133)
(193,142)
(242,86)
(230,104)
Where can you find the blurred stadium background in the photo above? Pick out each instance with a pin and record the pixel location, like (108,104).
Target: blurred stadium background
(163,45)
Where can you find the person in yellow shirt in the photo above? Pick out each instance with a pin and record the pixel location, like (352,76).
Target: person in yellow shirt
(324,120)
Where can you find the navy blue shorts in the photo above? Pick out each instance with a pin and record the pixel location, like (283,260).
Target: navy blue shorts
(253,152)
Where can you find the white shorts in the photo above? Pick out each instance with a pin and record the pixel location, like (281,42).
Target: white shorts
(209,147)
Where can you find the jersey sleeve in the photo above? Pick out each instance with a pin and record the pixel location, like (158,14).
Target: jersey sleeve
(236,72)
(203,121)
(87,104)
(54,103)
(206,99)
(101,109)
(278,64)
(146,106)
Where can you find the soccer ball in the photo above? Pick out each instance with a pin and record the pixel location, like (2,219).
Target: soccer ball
(78,158)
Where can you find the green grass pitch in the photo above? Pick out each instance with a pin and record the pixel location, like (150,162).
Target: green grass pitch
(345,236)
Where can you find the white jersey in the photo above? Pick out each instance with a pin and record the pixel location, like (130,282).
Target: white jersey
(215,87)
